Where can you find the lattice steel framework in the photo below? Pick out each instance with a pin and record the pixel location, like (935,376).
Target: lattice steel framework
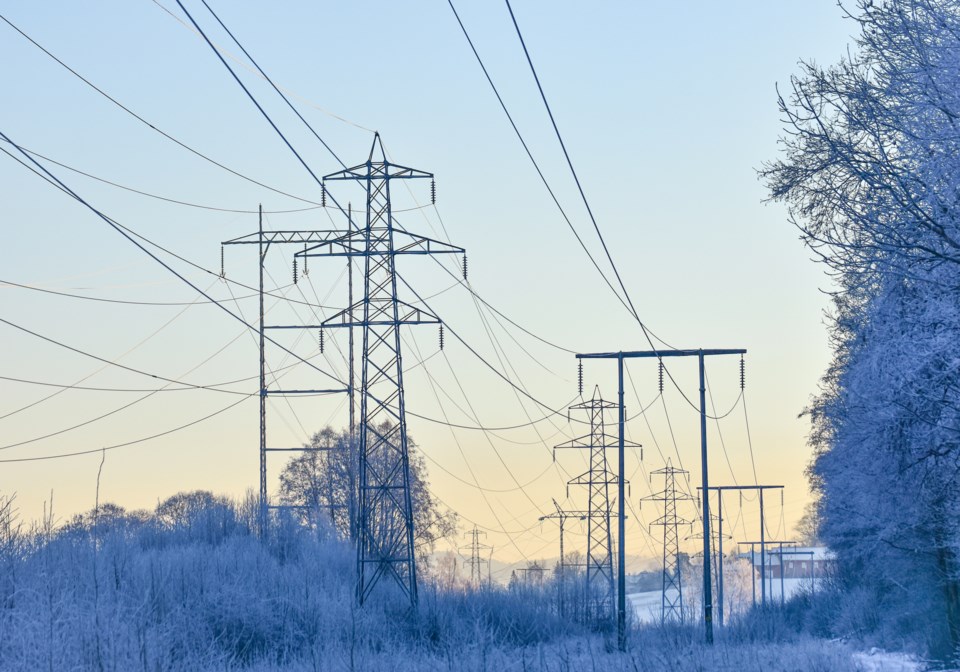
(599,575)
(385,534)
(475,561)
(671,598)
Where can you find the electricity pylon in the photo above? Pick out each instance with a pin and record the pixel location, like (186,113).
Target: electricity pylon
(600,581)
(475,561)
(385,534)
(671,598)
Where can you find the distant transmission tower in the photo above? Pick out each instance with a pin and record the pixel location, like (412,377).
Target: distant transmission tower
(600,582)
(671,599)
(475,561)
(385,534)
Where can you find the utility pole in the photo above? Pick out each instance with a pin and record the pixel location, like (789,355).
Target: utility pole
(700,354)
(385,534)
(561,517)
(263,240)
(716,543)
(719,489)
(671,598)
(475,561)
(763,570)
(598,480)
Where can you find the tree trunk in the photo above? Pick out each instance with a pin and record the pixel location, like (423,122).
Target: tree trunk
(947,561)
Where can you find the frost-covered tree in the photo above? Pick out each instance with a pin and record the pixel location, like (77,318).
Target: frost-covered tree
(325,481)
(871,175)
(870,166)
(200,515)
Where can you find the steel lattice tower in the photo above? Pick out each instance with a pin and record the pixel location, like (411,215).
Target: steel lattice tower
(475,561)
(600,577)
(671,599)
(385,534)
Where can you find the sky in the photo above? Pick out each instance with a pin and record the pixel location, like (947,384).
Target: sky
(667,111)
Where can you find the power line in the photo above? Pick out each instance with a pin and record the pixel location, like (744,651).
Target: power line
(576,179)
(123,232)
(184,385)
(490,366)
(746,419)
(130,443)
(628,303)
(247,91)
(85,388)
(260,70)
(150,242)
(483,493)
(723,444)
(150,125)
(241,64)
(167,199)
(101,299)
(530,156)
(134,402)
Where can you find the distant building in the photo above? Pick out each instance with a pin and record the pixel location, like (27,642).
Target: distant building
(797,562)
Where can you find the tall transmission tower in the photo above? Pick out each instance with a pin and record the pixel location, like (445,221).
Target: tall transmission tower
(671,598)
(600,577)
(475,561)
(385,532)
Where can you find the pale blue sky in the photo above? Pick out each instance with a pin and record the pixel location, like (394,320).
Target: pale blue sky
(667,110)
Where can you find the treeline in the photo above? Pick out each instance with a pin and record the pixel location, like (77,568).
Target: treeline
(192,586)
(870,171)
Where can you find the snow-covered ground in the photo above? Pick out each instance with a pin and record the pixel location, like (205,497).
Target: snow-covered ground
(646,609)
(877,660)
(646,606)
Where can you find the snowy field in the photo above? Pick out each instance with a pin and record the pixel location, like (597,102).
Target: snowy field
(646,605)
